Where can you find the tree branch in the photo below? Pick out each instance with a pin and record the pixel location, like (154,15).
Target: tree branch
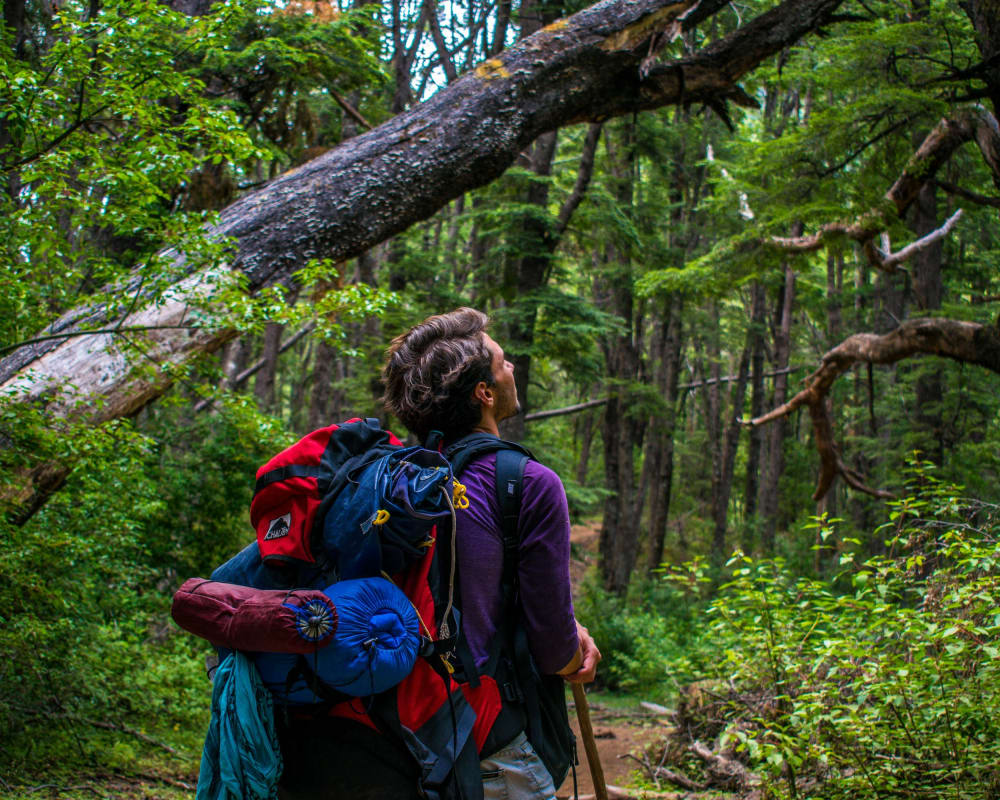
(585,68)
(99,332)
(965,342)
(978,199)
(430,9)
(583,176)
(892,260)
(349,109)
(258,365)
(970,124)
(559,412)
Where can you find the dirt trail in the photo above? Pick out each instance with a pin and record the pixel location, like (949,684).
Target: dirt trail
(619,733)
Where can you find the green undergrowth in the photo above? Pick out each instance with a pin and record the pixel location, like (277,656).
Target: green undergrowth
(651,641)
(880,680)
(98,688)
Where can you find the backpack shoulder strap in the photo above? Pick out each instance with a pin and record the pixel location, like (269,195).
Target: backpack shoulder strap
(463,451)
(509,484)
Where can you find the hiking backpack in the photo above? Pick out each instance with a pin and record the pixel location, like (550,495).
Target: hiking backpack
(346,504)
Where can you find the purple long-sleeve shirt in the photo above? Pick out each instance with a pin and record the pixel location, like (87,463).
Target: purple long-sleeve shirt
(543,563)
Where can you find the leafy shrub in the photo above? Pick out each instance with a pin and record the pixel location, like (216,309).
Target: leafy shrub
(651,641)
(85,585)
(888,687)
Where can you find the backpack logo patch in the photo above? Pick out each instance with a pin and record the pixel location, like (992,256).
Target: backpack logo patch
(279,527)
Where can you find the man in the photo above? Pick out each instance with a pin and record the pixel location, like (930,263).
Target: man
(446,374)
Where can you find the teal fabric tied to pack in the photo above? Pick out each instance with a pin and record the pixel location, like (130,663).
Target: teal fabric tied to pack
(241,759)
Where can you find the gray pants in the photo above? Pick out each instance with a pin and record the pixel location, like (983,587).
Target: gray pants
(516,773)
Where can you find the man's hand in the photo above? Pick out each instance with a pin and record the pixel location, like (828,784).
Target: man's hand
(589,656)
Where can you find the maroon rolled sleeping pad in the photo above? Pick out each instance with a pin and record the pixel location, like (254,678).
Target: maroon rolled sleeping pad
(260,620)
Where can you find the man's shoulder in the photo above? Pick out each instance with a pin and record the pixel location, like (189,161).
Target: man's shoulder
(540,479)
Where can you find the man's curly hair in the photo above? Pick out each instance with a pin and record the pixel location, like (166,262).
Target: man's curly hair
(432,370)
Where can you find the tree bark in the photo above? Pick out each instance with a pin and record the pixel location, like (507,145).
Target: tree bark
(586,429)
(769,500)
(985,17)
(537,236)
(758,308)
(619,539)
(928,291)
(323,402)
(352,197)
(730,443)
(264,387)
(662,431)
(712,397)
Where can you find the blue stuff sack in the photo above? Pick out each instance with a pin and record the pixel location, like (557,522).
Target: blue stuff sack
(382,520)
(374,647)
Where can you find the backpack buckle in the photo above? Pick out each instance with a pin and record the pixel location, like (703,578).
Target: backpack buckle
(511,693)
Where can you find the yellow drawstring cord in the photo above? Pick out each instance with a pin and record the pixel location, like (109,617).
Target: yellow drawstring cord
(458,496)
(381,517)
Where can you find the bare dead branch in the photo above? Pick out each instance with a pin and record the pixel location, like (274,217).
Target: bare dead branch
(558,412)
(965,342)
(892,260)
(885,261)
(969,124)
(152,776)
(679,779)
(104,725)
(731,378)
(600,401)
(725,772)
(118,329)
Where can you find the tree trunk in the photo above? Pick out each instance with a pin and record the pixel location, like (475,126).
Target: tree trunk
(712,396)
(234,360)
(758,308)
(928,291)
(985,17)
(661,434)
(586,435)
(265,382)
(769,501)
(834,327)
(731,440)
(323,404)
(619,539)
(352,197)
(528,273)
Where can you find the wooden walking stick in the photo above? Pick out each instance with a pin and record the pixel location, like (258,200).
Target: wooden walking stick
(589,743)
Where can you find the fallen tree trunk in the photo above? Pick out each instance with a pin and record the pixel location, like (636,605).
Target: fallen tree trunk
(586,67)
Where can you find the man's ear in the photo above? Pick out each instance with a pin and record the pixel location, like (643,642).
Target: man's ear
(483,394)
